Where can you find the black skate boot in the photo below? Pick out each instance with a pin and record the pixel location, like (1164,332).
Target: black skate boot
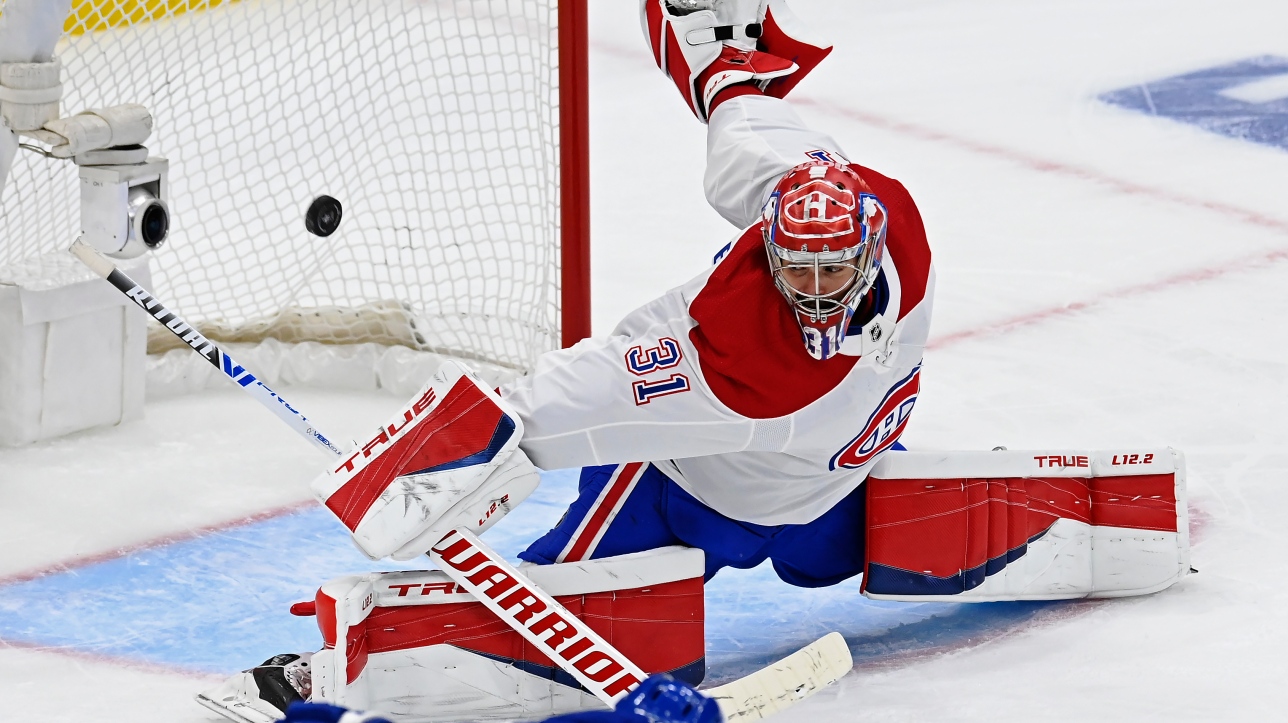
(262,694)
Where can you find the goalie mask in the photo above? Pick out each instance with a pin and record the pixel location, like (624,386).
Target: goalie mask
(825,234)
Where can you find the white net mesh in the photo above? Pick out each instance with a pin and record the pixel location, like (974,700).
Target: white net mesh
(434,122)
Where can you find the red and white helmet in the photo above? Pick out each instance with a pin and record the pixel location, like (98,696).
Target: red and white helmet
(821,220)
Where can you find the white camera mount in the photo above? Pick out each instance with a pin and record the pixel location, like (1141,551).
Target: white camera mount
(123,191)
(123,205)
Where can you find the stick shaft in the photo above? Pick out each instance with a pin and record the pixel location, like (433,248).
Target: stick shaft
(205,348)
(538,617)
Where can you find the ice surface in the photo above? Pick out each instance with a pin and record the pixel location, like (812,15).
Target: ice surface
(1264,90)
(230,590)
(1105,278)
(1246,99)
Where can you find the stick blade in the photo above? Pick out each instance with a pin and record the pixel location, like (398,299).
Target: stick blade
(237,711)
(786,682)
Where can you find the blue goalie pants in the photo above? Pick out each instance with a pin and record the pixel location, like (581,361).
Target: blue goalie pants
(634,507)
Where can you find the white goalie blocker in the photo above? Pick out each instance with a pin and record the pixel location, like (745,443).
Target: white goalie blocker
(449,458)
(1016,525)
(416,646)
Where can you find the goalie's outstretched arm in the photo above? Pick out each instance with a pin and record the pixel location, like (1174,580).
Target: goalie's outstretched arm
(752,140)
(637,395)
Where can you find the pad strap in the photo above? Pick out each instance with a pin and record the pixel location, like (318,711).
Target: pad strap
(721,33)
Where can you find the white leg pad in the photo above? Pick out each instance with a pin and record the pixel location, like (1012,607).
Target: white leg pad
(1013,525)
(413,645)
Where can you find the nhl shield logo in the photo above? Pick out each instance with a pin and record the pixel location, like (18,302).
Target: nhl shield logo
(884,426)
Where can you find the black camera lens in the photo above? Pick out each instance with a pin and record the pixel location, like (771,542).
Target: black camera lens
(149,221)
(155,225)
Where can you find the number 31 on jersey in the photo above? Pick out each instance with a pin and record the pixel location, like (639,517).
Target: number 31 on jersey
(648,362)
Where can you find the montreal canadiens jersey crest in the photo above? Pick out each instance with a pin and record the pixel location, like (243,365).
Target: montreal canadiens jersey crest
(884,427)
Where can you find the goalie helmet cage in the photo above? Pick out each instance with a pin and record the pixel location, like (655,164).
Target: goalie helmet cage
(454,132)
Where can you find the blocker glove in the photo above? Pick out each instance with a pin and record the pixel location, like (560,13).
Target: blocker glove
(450,458)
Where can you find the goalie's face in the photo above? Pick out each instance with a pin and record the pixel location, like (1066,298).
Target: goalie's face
(824,281)
(825,237)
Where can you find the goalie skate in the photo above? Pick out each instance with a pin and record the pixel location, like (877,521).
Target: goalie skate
(262,694)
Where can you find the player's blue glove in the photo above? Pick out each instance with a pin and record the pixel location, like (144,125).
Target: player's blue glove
(663,699)
(659,699)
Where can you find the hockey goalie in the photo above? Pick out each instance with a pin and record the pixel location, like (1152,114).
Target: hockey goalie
(752,414)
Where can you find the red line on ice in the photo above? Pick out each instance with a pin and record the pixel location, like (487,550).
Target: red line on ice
(115,660)
(1041,165)
(78,562)
(1246,263)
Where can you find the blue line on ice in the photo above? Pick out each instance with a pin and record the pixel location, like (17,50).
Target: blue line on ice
(219,603)
(1247,100)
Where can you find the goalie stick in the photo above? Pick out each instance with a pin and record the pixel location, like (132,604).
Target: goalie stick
(784,683)
(530,611)
(200,344)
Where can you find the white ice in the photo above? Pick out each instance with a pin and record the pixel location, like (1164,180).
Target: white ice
(1265,90)
(1105,279)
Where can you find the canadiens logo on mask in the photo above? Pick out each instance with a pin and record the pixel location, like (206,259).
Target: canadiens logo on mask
(825,233)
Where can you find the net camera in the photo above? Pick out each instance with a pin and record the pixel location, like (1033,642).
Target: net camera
(123,207)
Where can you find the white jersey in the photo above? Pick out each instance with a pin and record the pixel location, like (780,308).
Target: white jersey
(712,383)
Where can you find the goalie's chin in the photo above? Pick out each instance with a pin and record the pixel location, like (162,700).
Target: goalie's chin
(823,337)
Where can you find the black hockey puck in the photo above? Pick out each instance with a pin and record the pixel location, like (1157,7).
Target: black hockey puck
(323,216)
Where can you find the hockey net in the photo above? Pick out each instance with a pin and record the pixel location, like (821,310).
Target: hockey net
(436,123)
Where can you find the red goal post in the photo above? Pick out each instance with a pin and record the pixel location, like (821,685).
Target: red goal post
(574,148)
(454,132)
